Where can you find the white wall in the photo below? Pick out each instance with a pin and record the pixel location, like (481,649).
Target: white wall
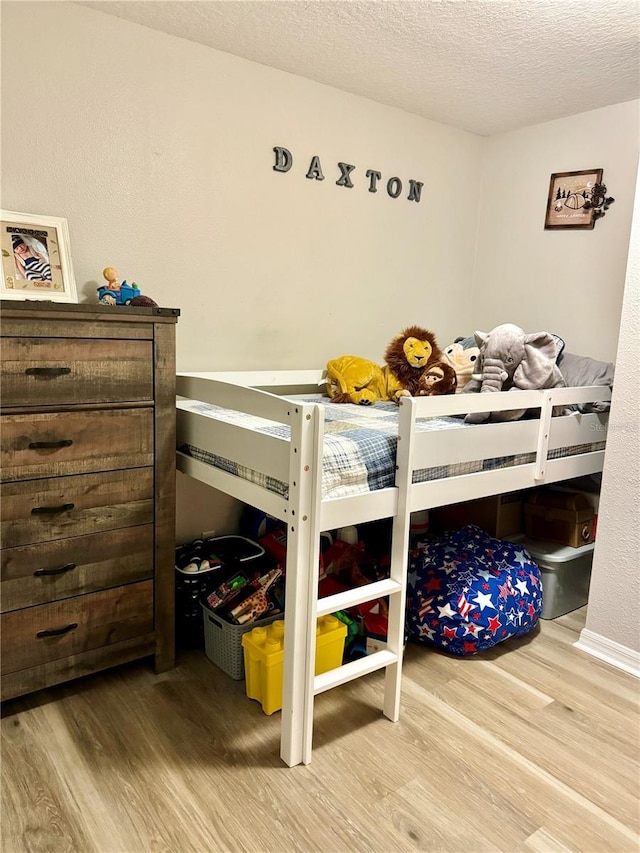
(159,153)
(573,283)
(563,281)
(614,595)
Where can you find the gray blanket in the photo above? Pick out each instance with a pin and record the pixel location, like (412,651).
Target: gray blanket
(580,370)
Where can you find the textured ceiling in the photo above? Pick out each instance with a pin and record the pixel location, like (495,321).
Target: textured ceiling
(486,66)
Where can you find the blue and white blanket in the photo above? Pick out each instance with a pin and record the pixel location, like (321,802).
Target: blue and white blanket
(359,453)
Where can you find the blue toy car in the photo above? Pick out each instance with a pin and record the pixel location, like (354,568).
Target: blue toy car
(123,296)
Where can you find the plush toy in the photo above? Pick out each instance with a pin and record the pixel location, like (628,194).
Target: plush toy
(351,379)
(510,359)
(410,356)
(462,355)
(440,378)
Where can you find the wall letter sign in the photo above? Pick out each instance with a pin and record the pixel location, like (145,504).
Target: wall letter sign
(315,169)
(284,159)
(284,162)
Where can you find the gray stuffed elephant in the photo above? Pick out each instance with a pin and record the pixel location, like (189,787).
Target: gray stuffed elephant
(510,359)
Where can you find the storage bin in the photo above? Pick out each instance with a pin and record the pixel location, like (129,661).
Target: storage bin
(190,587)
(264,655)
(226,553)
(566,572)
(223,641)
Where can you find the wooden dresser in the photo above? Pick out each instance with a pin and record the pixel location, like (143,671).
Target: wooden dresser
(87,492)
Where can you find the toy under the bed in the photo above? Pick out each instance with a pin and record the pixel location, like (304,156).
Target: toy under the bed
(467,591)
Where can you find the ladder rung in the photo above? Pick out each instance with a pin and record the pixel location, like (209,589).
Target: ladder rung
(351,597)
(352,670)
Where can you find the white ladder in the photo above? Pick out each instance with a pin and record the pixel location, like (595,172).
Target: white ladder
(298,708)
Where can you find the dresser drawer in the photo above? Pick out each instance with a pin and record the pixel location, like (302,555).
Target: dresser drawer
(48,632)
(76,442)
(54,371)
(42,510)
(38,574)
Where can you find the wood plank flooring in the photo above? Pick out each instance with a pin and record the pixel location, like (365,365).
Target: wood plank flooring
(533,747)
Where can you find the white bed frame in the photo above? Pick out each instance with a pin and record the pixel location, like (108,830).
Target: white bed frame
(298,462)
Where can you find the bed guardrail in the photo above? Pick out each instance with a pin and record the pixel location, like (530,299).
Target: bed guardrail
(535,437)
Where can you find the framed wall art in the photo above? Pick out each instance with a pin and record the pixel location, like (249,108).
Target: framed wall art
(36,259)
(568,192)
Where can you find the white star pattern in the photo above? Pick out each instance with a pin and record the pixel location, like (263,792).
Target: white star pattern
(412,578)
(485,574)
(512,615)
(446,610)
(467,576)
(426,631)
(483,600)
(521,557)
(522,586)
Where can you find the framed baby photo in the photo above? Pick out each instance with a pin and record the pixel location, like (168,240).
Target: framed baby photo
(36,259)
(568,193)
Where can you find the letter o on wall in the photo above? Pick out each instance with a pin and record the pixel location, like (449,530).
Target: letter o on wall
(394,187)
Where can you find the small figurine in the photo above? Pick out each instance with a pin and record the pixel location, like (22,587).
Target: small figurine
(116,292)
(112,278)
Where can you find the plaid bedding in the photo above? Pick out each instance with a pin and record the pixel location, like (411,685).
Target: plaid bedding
(359,447)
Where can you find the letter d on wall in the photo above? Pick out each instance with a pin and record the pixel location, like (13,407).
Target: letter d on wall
(284,159)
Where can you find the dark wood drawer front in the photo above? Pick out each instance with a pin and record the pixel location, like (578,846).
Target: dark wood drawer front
(41,510)
(50,445)
(51,371)
(126,326)
(38,574)
(49,632)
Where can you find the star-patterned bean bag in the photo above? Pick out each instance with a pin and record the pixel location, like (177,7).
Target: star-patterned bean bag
(467,591)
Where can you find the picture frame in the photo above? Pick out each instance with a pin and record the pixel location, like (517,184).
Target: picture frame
(36,258)
(568,192)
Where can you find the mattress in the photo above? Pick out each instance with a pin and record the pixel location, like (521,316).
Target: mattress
(359,452)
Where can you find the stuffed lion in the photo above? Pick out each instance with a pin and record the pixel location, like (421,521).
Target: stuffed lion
(351,379)
(409,356)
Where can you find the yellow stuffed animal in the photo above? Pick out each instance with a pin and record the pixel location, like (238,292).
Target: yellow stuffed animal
(351,379)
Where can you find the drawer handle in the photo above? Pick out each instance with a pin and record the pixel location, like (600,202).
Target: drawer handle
(58,571)
(47,371)
(50,445)
(56,632)
(42,510)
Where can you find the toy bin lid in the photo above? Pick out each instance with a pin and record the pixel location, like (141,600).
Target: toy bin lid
(552,552)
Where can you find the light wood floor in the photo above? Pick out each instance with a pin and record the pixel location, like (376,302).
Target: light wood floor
(531,747)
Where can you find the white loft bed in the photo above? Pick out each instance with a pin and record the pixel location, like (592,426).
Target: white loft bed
(297,462)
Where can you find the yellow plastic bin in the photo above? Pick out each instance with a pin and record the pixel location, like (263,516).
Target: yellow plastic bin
(264,654)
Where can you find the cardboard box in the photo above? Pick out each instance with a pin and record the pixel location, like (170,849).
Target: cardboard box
(568,518)
(497,515)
